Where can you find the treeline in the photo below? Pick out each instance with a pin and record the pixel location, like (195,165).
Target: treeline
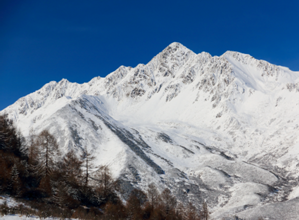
(35,173)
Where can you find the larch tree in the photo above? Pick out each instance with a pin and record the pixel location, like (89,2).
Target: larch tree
(71,165)
(88,165)
(152,195)
(49,151)
(191,212)
(106,185)
(67,184)
(33,150)
(11,140)
(169,203)
(205,211)
(134,204)
(6,126)
(15,181)
(181,212)
(33,155)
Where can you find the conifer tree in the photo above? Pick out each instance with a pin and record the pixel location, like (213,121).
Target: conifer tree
(10,139)
(205,212)
(169,203)
(181,212)
(33,150)
(134,204)
(191,212)
(115,211)
(15,181)
(69,176)
(34,167)
(5,127)
(88,166)
(48,153)
(106,185)
(48,148)
(71,167)
(152,195)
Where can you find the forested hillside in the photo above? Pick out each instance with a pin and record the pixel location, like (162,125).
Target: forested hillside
(45,184)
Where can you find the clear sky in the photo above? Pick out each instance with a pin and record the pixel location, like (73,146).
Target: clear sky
(42,41)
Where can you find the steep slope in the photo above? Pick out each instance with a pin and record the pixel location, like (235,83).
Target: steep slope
(222,129)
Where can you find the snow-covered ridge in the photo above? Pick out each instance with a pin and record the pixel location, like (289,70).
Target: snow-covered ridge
(225,124)
(170,71)
(219,93)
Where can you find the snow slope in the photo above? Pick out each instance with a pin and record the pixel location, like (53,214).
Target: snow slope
(222,129)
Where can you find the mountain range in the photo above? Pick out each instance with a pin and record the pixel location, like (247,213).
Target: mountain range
(221,129)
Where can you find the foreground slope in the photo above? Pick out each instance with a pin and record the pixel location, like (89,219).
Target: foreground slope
(221,129)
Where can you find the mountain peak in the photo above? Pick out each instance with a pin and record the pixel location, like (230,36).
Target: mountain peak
(235,54)
(174,44)
(63,81)
(173,47)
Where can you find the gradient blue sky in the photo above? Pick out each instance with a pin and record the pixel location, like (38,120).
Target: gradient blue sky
(41,41)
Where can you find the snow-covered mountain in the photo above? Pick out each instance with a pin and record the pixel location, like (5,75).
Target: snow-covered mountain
(222,129)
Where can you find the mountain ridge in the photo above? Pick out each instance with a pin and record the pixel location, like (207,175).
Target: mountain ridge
(121,69)
(212,126)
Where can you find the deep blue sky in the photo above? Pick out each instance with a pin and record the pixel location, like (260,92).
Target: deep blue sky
(41,41)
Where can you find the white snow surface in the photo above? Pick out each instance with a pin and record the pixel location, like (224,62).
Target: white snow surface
(222,129)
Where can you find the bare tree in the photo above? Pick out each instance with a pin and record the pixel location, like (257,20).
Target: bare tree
(205,211)
(71,166)
(49,151)
(169,203)
(106,186)
(152,195)
(134,204)
(191,212)
(87,159)
(33,150)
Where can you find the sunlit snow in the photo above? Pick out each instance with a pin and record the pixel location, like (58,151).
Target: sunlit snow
(222,129)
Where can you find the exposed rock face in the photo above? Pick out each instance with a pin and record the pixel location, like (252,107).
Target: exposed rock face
(221,129)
